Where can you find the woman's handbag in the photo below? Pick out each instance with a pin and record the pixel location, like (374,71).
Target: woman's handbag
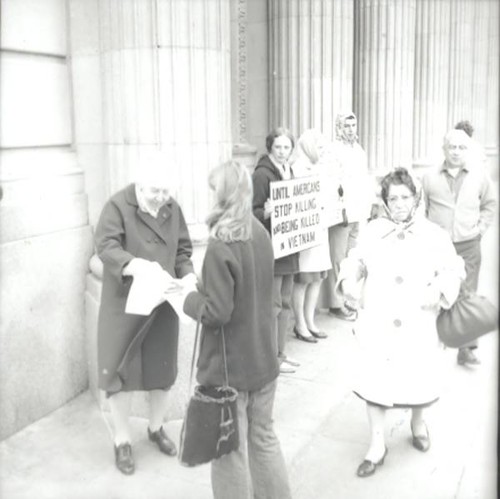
(210,427)
(470,317)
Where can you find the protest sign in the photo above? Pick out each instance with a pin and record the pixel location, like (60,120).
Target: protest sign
(296,214)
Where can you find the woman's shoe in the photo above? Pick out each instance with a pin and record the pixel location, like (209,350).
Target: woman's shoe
(318,334)
(368,468)
(164,443)
(300,336)
(123,458)
(421,442)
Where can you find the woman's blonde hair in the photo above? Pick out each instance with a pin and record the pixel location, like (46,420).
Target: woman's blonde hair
(231,218)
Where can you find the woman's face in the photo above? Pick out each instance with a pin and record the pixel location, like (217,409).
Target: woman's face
(400,201)
(156,197)
(281,149)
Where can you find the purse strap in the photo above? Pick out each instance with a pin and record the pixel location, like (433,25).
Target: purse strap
(195,349)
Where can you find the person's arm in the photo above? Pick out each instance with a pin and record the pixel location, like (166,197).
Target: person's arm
(109,240)
(214,302)
(260,196)
(487,205)
(183,263)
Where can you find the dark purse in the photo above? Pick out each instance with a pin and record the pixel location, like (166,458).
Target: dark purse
(210,427)
(470,317)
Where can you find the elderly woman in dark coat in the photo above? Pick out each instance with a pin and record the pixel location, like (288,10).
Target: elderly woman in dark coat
(141,231)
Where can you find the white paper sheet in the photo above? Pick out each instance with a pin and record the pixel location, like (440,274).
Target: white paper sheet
(148,290)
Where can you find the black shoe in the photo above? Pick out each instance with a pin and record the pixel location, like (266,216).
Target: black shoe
(421,442)
(123,459)
(368,468)
(164,443)
(307,339)
(318,334)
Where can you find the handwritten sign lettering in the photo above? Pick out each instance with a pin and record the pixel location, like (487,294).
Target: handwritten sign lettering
(296,218)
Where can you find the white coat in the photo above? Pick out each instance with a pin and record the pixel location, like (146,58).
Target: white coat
(400,356)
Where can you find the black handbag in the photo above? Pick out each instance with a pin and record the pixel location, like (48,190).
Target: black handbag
(210,426)
(470,317)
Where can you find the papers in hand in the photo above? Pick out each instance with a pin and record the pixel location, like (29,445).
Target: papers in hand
(149,289)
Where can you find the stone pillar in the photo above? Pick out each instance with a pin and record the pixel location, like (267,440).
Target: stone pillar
(432,55)
(383,82)
(311,63)
(45,238)
(164,83)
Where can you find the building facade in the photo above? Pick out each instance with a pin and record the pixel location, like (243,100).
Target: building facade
(87,86)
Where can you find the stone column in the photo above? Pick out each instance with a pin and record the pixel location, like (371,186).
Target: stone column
(432,55)
(311,63)
(469,63)
(166,85)
(383,82)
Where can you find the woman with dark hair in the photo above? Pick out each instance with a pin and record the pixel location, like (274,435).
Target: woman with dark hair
(236,295)
(403,270)
(270,168)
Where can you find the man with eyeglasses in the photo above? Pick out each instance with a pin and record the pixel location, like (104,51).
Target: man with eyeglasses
(459,196)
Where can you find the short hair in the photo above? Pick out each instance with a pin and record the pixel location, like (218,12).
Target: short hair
(231,217)
(278,132)
(466,126)
(399,176)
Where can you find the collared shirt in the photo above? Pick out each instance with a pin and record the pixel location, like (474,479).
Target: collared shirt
(464,205)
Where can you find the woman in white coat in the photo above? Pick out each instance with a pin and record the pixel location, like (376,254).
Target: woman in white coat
(313,262)
(402,271)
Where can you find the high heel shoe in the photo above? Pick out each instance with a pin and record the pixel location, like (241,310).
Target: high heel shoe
(300,336)
(421,442)
(318,334)
(368,468)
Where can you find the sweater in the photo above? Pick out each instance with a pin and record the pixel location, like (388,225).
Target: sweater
(236,294)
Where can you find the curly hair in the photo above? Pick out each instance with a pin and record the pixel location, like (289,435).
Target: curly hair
(231,217)
(399,176)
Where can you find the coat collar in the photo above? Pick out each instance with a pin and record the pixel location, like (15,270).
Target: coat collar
(157,225)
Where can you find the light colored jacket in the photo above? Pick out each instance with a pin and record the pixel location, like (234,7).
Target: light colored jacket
(399,354)
(463,206)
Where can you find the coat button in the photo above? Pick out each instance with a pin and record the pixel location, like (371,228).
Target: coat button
(397,323)
(399,279)
(401,235)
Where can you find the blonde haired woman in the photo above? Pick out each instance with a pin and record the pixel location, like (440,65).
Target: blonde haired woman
(313,262)
(236,294)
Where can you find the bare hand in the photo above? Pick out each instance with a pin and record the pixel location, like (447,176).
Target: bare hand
(268,209)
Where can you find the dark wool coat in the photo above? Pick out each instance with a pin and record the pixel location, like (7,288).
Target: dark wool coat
(137,352)
(265,173)
(236,294)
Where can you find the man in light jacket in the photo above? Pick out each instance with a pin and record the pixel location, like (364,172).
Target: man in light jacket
(459,196)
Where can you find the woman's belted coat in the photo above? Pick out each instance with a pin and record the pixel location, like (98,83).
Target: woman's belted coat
(138,352)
